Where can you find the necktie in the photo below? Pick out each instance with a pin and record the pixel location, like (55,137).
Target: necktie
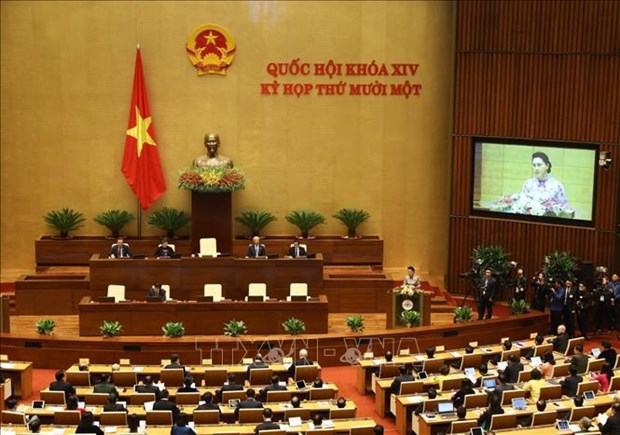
(255,250)
(566,295)
(296,252)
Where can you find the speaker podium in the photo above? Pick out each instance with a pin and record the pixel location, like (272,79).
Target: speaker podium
(212,217)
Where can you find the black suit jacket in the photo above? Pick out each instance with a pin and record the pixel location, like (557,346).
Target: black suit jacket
(512,372)
(292,253)
(609,355)
(114,407)
(399,380)
(164,252)
(208,407)
(227,387)
(252,250)
(267,425)
(148,389)
(175,366)
(154,293)
(488,289)
(125,251)
(299,362)
(62,386)
(569,385)
(611,426)
(247,404)
(166,405)
(560,343)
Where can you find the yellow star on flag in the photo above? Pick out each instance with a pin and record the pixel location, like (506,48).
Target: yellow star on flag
(140,132)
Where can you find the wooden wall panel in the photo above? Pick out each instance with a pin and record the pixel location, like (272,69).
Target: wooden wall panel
(541,71)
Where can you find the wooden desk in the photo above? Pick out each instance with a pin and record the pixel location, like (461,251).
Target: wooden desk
(202,318)
(187,276)
(20,373)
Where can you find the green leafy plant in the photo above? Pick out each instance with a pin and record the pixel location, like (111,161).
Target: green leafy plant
(110,329)
(65,220)
(305,220)
(519,306)
(355,323)
(560,266)
(294,326)
(173,329)
(351,218)
(114,220)
(45,326)
(491,257)
(255,220)
(169,219)
(235,328)
(410,318)
(463,314)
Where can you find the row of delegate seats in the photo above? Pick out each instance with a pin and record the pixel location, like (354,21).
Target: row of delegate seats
(213,292)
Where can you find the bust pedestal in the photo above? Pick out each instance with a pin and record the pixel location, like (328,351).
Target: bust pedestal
(212,217)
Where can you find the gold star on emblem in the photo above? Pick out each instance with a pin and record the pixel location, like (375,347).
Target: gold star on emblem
(211,38)
(140,132)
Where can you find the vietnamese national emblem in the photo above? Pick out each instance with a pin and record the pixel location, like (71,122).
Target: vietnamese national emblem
(211,49)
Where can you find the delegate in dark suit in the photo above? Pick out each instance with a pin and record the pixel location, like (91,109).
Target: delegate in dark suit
(612,425)
(164,251)
(560,343)
(62,386)
(114,407)
(256,250)
(156,292)
(569,385)
(231,385)
(512,371)
(166,405)
(487,296)
(299,362)
(297,251)
(268,425)
(248,403)
(120,251)
(149,389)
(402,377)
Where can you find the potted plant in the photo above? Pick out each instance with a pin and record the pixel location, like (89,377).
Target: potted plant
(519,306)
(255,221)
(110,329)
(351,218)
(463,314)
(491,257)
(173,329)
(355,323)
(305,220)
(235,328)
(65,220)
(45,326)
(410,318)
(114,220)
(169,219)
(560,266)
(294,326)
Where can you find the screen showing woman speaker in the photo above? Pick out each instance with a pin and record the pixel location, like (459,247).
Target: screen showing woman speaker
(534,180)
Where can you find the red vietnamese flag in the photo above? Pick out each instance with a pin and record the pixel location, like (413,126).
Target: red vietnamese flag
(141,165)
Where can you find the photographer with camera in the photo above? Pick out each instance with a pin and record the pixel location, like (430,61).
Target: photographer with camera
(556,305)
(541,290)
(519,284)
(583,306)
(603,305)
(487,295)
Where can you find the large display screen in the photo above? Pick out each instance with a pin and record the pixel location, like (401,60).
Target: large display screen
(534,180)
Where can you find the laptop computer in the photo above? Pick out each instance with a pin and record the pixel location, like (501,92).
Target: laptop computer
(233,403)
(518,403)
(106,299)
(596,352)
(301,384)
(38,404)
(155,298)
(445,409)
(470,371)
(422,375)
(476,431)
(589,395)
(536,361)
(489,383)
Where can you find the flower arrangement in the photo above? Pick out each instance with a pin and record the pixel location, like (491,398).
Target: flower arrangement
(523,204)
(407,290)
(212,179)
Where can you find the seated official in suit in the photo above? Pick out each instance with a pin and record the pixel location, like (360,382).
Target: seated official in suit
(249,402)
(61,385)
(274,386)
(187,386)
(560,342)
(257,363)
(230,385)
(156,291)
(403,376)
(120,250)
(296,250)
(302,361)
(256,249)
(207,405)
(164,250)
(87,425)
(267,424)
(175,362)
(513,368)
(105,386)
(180,426)
(148,387)
(112,406)
(164,404)
(571,383)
